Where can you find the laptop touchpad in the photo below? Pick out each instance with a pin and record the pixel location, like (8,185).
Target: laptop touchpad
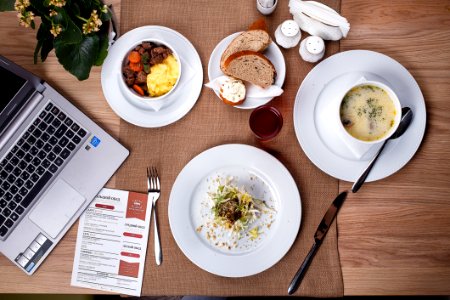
(56,208)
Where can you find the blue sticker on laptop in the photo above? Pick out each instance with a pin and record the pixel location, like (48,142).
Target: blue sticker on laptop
(30,266)
(95,141)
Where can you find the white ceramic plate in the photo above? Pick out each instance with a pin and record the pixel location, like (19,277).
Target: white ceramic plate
(180,101)
(323,146)
(273,53)
(261,175)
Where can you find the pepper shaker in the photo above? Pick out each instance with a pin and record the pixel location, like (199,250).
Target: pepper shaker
(312,49)
(288,34)
(266,7)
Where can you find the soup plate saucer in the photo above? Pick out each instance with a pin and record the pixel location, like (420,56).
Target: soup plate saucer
(319,137)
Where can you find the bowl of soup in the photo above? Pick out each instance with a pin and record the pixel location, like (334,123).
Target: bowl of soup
(369,112)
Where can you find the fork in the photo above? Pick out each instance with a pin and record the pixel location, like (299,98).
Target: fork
(153,192)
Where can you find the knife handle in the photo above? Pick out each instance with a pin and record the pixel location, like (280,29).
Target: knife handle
(298,277)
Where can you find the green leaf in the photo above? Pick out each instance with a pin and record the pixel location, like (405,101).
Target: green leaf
(45,42)
(61,18)
(106,16)
(86,3)
(75,9)
(47,46)
(38,7)
(36,50)
(6,5)
(70,35)
(103,49)
(78,58)
(43,32)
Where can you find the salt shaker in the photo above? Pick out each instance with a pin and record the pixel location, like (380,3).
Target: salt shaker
(312,49)
(266,7)
(288,34)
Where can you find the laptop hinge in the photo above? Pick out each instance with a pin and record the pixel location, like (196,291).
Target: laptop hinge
(41,87)
(20,118)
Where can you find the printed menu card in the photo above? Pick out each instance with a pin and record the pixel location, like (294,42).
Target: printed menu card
(112,243)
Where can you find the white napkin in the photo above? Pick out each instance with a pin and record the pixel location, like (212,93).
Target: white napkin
(356,148)
(319,19)
(253,91)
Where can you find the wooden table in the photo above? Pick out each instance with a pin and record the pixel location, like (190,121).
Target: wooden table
(393,234)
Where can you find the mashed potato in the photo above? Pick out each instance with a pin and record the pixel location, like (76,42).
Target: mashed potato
(163,76)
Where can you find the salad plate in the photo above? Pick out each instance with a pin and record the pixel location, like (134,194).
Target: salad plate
(273,53)
(317,137)
(255,246)
(178,103)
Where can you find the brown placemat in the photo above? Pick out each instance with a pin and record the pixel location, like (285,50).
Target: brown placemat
(211,123)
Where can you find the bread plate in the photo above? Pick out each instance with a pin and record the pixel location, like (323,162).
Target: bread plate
(273,53)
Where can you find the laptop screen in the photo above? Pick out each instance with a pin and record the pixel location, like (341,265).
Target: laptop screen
(10,84)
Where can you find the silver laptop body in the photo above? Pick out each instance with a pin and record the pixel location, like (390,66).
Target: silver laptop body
(53,162)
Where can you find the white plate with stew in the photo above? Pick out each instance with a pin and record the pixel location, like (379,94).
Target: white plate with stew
(181,99)
(319,140)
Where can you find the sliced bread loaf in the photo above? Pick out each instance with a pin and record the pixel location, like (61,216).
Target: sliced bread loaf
(254,40)
(251,66)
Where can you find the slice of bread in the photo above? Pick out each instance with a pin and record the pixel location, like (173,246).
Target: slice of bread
(254,40)
(251,66)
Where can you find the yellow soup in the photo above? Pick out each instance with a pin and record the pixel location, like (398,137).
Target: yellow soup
(163,76)
(367,112)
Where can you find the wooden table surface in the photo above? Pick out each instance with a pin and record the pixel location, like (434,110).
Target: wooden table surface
(393,234)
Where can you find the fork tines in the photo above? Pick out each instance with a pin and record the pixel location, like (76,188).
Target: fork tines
(153,179)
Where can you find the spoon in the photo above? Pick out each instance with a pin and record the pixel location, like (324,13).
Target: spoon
(405,121)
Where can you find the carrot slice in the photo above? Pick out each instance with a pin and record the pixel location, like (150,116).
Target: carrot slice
(138,90)
(136,67)
(134,57)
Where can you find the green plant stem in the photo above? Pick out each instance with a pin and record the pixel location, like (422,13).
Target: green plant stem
(82,19)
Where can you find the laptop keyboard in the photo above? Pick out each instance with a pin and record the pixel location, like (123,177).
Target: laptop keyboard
(32,162)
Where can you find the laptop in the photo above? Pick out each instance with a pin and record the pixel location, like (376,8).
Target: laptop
(53,162)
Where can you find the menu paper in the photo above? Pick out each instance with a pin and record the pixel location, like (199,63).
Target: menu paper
(112,243)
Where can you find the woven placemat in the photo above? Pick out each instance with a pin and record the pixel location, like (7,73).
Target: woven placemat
(211,123)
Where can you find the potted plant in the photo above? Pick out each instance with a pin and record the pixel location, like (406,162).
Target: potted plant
(77,29)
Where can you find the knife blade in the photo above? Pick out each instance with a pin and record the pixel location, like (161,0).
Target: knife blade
(320,234)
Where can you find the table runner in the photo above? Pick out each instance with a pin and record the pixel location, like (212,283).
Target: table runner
(211,123)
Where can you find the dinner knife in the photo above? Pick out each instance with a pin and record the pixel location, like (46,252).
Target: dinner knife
(318,238)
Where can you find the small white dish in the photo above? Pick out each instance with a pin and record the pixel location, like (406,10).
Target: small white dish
(328,116)
(336,118)
(273,53)
(255,169)
(318,138)
(266,10)
(146,102)
(177,104)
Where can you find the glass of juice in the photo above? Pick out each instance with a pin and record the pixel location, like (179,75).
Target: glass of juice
(266,122)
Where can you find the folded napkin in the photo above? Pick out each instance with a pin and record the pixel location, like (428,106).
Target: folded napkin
(319,19)
(253,91)
(358,149)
